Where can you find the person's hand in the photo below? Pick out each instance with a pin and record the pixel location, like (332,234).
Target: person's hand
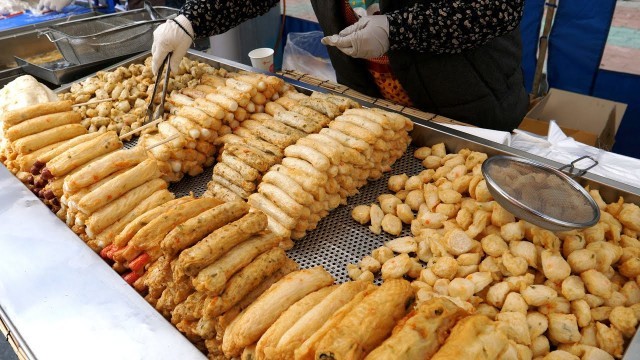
(170,37)
(368,38)
(56,5)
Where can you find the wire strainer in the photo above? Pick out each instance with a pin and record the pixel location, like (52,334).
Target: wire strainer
(539,194)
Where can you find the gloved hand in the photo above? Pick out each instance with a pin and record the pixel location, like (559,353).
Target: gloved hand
(56,5)
(368,38)
(169,37)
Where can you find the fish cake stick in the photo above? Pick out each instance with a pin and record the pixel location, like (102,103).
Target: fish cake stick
(307,350)
(298,121)
(138,223)
(421,333)
(138,175)
(260,202)
(152,234)
(224,170)
(82,153)
(247,172)
(359,332)
(378,118)
(14,117)
(231,186)
(287,184)
(354,131)
(321,120)
(98,170)
(322,106)
(31,143)
(260,315)
(305,167)
(109,214)
(41,123)
(213,278)
(307,324)
(308,183)
(363,122)
(198,116)
(243,282)
(216,244)
(27,161)
(210,108)
(346,140)
(272,108)
(217,191)
(334,154)
(156,199)
(274,333)
(311,155)
(227,318)
(250,156)
(196,228)
(225,102)
(275,227)
(282,200)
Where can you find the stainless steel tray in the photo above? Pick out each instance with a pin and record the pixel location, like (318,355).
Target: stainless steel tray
(62,72)
(78,272)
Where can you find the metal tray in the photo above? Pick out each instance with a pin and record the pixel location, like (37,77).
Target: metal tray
(62,72)
(336,241)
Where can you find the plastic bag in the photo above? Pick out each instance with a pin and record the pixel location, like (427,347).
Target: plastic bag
(304,53)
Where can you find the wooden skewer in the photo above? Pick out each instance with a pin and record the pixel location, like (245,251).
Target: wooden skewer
(172,137)
(135,131)
(92,102)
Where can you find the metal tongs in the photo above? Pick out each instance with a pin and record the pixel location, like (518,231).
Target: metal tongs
(159,112)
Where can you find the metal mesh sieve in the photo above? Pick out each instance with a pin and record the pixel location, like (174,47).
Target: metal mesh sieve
(104,37)
(539,194)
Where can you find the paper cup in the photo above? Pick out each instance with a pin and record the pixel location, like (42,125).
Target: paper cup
(262,58)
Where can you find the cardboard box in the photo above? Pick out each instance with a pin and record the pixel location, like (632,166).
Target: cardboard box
(589,120)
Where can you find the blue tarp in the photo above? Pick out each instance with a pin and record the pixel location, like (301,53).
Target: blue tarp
(28,18)
(624,88)
(530,31)
(577,42)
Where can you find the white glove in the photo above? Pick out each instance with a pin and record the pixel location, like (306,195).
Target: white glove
(56,5)
(368,38)
(169,37)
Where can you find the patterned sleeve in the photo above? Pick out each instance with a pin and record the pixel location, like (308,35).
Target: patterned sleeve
(447,27)
(212,17)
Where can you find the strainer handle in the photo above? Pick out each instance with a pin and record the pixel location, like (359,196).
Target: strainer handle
(575,172)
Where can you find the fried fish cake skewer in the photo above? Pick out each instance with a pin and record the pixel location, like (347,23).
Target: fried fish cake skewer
(138,223)
(117,160)
(242,283)
(270,338)
(213,278)
(42,123)
(196,228)
(358,333)
(14,117)
(80,154)
(141,173)
(421,334)
(156,199)
(109,214)
(223,321)
(260,202)
(193,260)
(311,321)
(151,235)
(257,318)
(31,143)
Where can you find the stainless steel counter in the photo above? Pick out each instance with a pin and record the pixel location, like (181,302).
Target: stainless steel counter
(61,301)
